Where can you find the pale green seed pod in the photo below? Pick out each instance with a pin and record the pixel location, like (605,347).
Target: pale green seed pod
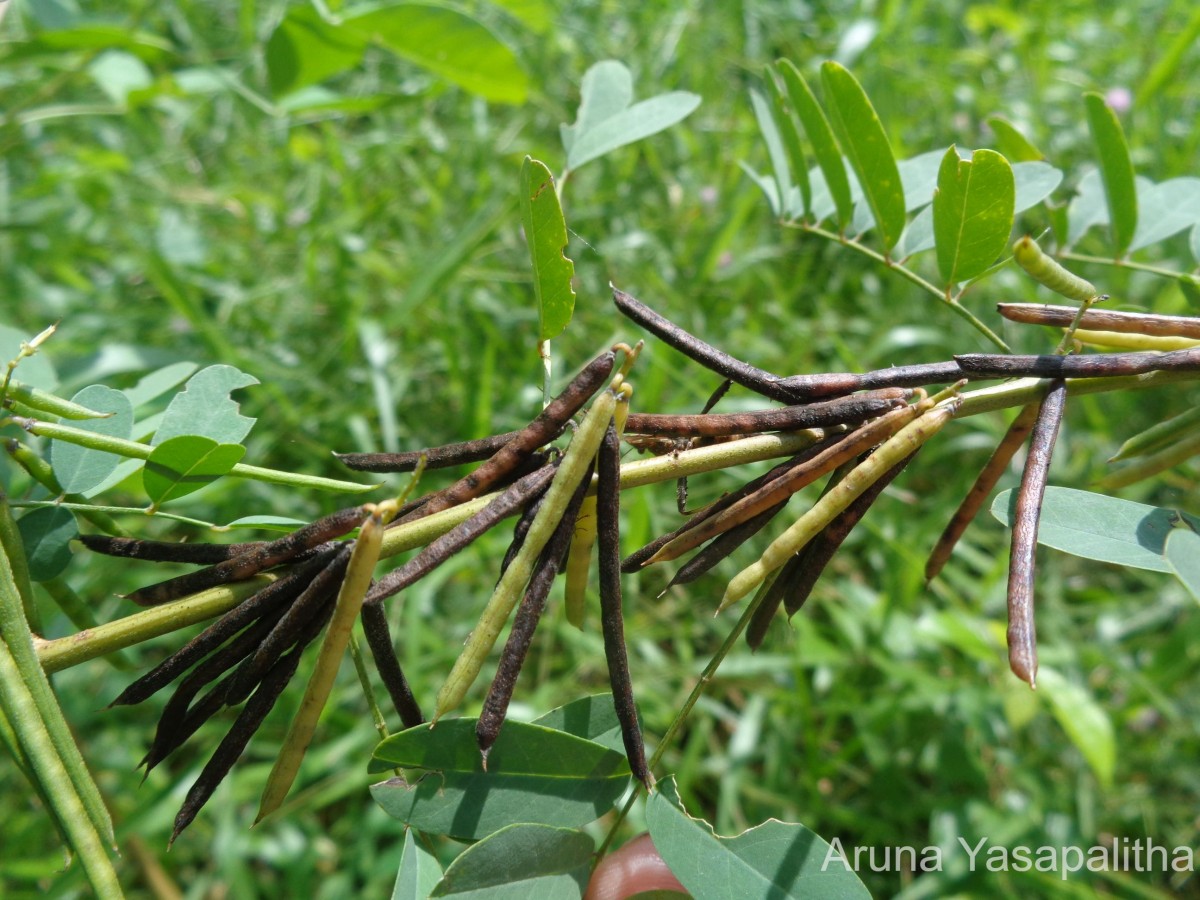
(1048,272)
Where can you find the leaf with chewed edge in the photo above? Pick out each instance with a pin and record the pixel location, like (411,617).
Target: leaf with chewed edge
(775,859)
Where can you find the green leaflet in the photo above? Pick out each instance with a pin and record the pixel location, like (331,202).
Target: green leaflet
(183,464)
(775,859)
(204,407)
(419,871)
(1116,170)
(972,213)
(1084,720)
(865,143)
(820,135)
(789,129)
(519,861)
(534,774)
(546,235)
(80,468)
(608,118)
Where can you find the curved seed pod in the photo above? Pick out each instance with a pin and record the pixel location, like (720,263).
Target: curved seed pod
(570,472)
(1022,633)
(166,551)
(723,545)
(383,649)
(298,617)
(545,428)
(805,388)
(462,535)
(266,601)
(973,502)
(355,583)
(692,347)
(1048,272)
(892,451)
(1102,320)
(797,478)
(1094,365)
(778,591)
(640,558)
(435,457)
(241,567)
(844,410)
(525,623)
(608,507)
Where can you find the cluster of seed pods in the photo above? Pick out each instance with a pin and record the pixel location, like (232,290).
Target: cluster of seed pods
(873,424)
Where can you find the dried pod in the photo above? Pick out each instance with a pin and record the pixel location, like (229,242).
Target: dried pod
(383,649)
(435,457)
(1093,365)
(1102,320)
(1022,633)
(166,551)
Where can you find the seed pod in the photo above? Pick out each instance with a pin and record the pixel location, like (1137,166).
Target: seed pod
(579,560)
(891,452)
(435,457)
(570,472)
(317,596)
(525,623)
(1048,272)
(355,583)
(462,535)
(805,388)
(723,545)
(1094,365)
(608,506)
(691,346)
(640,558)
(235,741)
(973,502)
(844,410)
(242,567)
(383,649)
(520,529)
(1102,320)
(547,426)
(797,478)
(268,600)
(1022,632)
(166,551)
(816,555)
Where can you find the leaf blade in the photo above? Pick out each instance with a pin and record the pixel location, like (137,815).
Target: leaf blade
(546,236)
(1116,170)
(972,213)
(820,135)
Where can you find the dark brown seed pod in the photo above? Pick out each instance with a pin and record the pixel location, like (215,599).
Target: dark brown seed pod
(241,567)
(798,477)
(437,552)
(973,502)
(435,457)
(638,559)
(844,410)
(545,428)
(723,545)
(166,551)
(800,574)
(608,507)
(1093,365)
(270,599)
(525,622)
(1102,320)
(805,388)
(383,649)
(235,741)
(1022,631)
(715,397)
(180,717)
(710,357)
(314,601)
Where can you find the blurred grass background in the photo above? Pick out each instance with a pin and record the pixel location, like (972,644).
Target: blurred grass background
(370,270)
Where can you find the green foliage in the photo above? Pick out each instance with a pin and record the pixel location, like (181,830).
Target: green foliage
(521,861)
(972,213)
(183,464)
(774,859)
(1115,168)
(80,469)
(381,192)
(546,234)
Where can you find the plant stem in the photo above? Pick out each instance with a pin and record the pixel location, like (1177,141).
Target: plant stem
(1119,264)
(910,275)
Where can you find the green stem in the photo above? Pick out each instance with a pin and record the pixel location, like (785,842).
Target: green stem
(135,450)
(908,274)
(1119,264)
(74,649)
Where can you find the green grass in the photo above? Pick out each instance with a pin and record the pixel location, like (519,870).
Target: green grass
(877,717)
